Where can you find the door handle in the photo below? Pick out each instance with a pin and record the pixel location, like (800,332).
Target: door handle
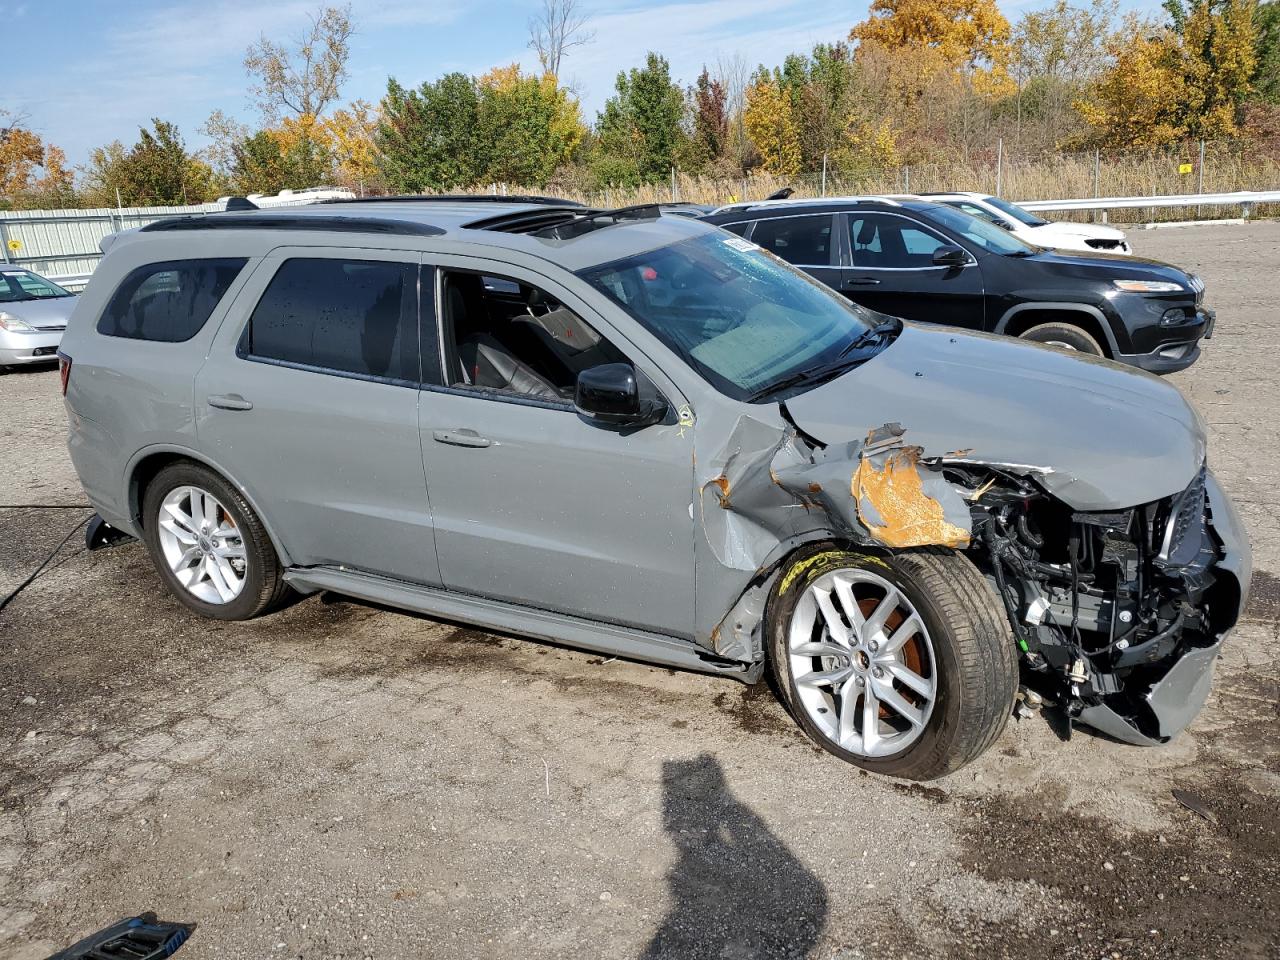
(229,401)
(459,438)
(861,282)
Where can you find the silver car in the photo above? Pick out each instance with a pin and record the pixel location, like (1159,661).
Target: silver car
(33,313)
(639,434)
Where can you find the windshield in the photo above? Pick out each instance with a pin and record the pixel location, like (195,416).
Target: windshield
(1015,211)
(739,315)
(986,235)
(17,285)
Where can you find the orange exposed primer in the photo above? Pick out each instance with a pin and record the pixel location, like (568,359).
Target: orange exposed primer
(723,483)
(911,517)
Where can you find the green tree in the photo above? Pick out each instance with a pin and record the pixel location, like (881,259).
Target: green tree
(527,126)
(156,171)
(428,138)
(1266,71)
(639,131)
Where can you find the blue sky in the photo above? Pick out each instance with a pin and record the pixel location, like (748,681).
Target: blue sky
(85,72)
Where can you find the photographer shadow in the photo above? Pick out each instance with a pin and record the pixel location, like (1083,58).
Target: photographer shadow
(737,891)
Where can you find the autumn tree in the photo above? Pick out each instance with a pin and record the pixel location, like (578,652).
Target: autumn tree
(639,131)
(304,76)
(1216,57)
(32,174)
(1135,103)
(708,105)
(351,136)
(970,36)
(1189,79)
(557,27)
(771,124)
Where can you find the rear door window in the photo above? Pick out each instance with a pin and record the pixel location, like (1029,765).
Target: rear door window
(801,241)
(354,317)
(168,301)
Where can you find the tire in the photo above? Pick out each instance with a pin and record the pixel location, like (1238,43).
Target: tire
(964,654)
(1064,335)
(255,582)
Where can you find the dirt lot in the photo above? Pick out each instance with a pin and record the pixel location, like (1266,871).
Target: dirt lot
(337,780)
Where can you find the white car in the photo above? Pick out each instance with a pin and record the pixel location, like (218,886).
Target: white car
(1057,235)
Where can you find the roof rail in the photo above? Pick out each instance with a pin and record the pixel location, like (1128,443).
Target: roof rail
(463,198)
(286,221)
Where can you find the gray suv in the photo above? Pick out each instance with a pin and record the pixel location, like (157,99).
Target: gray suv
(642,435)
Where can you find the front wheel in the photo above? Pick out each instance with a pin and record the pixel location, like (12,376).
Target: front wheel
(900,664)
(1064,335)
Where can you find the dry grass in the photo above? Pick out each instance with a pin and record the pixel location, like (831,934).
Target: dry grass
(1227,168)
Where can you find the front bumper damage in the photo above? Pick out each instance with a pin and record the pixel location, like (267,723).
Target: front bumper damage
(1119,615)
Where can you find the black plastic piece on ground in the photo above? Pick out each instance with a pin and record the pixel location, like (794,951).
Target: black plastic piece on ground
(99,534)
(135,938)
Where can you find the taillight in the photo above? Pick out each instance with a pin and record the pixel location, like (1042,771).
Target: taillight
(64,370)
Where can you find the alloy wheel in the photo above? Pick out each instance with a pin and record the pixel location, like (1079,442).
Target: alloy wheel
(202,545)
(862,662)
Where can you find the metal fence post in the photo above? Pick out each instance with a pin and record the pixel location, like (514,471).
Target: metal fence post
(824,174)
(999,166)
(1097,177)
(673,183)
(4,240)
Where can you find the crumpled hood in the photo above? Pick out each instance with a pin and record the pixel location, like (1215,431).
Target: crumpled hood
(1096,435)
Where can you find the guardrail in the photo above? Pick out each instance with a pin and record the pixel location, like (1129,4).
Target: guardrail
(1246,200)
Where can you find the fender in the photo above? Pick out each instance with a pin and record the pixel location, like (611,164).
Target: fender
(1085,308)
(135,507)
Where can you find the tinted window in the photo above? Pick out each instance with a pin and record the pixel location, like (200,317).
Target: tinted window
(804,241)
(168,301)
(739,228)
(353,316)
(742,318)
(885,242)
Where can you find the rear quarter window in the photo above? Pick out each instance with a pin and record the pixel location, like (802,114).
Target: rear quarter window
(170,301)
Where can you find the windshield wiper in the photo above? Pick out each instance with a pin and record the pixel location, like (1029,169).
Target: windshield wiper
(843,361)
(872,335)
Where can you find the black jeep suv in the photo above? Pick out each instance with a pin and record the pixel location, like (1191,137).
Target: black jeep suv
(929,262)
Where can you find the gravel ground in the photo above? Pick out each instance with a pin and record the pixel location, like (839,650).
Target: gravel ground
(338,780)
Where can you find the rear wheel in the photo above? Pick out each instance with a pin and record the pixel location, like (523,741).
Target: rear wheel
(209,545)
(1064,335)
(900,664)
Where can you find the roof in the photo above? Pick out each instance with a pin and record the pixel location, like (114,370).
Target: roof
(423,221)
(808,202)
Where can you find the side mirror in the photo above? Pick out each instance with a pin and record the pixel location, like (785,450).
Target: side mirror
(950,256)
(615,393)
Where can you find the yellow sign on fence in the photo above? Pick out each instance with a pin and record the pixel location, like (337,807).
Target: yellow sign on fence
(1185,168)
(15,245)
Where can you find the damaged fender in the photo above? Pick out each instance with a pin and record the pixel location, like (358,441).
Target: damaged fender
(769,489)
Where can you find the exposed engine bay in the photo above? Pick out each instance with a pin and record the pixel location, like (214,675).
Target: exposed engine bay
(1102,605)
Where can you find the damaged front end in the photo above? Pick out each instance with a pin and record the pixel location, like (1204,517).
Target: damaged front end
(1119,614)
